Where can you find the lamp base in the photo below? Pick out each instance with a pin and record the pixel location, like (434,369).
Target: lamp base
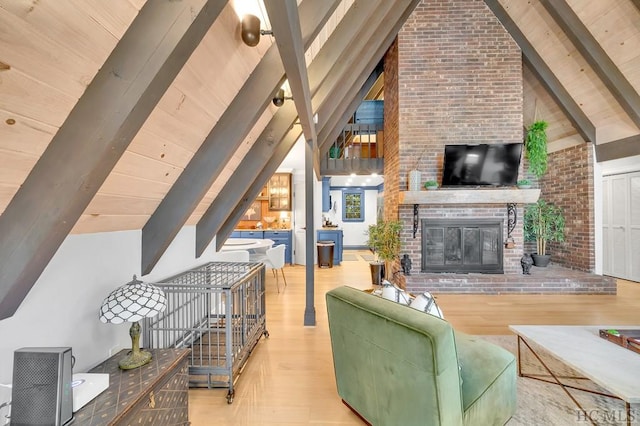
(134,360)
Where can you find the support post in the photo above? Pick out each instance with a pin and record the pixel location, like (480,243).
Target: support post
(309,310)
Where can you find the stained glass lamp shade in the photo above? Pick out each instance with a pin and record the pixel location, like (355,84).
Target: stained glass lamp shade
(131,303)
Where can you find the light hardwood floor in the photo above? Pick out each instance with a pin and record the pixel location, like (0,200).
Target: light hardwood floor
(289,379)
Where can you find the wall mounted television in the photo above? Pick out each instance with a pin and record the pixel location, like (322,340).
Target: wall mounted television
(483,164)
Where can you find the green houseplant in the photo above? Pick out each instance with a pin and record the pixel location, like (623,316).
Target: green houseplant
(384,240)
(536,147)
(431,184)
(543,222)
(524,183)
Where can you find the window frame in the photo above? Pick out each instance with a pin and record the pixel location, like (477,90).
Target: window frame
(345,194)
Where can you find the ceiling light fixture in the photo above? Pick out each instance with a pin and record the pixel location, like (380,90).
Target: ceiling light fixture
(250,30)
(279,98)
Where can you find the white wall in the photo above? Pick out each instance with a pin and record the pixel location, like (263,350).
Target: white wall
(354,233)
(62,307)
(623,165)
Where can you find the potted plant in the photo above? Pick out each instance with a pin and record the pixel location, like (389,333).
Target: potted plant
(524,184)
(543,222)
(536,147)
(384,240)
(431,184)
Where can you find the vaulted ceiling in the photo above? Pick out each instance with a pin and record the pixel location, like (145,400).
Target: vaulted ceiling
(128,114)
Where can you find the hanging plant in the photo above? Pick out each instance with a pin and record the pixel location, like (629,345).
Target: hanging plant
(536,147)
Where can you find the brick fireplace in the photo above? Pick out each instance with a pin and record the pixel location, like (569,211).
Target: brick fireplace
(454,76)
(461,245)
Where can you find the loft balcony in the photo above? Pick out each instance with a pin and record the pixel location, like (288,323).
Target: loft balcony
(359,146)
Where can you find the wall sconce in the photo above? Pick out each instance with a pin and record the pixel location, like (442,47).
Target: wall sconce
(250,30)
(279,98)
(131,303)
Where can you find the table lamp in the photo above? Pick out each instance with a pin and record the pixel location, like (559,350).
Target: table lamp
(132,302)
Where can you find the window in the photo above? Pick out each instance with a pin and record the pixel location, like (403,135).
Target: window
(353,205)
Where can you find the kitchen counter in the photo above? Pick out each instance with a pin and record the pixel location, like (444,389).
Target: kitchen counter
(278,236)
(261,229)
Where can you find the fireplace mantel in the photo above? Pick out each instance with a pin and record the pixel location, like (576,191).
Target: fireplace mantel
(471,196)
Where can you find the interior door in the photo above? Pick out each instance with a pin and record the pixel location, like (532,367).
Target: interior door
(621,226)
(634,226)
(618,228)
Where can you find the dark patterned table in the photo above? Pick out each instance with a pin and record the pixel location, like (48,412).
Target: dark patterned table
(154,394)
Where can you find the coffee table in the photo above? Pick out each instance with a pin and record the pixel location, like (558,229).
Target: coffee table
(611,366)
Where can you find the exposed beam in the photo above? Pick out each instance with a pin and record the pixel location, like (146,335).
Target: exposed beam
(338,109)
(285,24)
(539,68)
(239,182)
(93,138)
(343,110)
(272,164)
(376,90)
(356,18)
(210,159)
(622,148)
(380,24)
(624,93)
(223,140)
(378,44)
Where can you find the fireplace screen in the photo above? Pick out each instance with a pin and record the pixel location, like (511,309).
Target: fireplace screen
(462,245)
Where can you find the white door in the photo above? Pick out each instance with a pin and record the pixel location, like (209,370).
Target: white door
(634,226)
(621,226)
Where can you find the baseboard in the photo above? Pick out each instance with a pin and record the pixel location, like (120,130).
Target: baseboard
(356,248)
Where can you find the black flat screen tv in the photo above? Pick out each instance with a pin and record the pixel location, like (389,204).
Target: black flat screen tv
(483,164)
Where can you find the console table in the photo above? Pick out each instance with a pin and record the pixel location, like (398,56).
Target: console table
(156,393)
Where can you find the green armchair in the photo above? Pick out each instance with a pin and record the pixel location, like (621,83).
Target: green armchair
(395,365)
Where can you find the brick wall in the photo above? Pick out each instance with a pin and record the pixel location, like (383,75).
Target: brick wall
(568,184)
(457,79)
(391,133)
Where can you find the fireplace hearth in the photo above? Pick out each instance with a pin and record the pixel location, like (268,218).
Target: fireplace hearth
(462,245)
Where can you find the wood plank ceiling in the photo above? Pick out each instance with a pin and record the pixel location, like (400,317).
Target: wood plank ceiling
(53,49)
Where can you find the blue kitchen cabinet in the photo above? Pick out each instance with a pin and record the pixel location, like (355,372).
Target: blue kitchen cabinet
(281,237)
(236,234)
(326,194)
(334,235)
(252,234)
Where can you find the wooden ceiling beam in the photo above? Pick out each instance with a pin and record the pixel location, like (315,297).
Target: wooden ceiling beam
(267,143)
(94,136)
(282,149)
(379,27)
(378,43)
(597,58)
(285,24)
(343,111)
(545,75)
(622,148)
(223,141)
(377,90)
(342,107)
